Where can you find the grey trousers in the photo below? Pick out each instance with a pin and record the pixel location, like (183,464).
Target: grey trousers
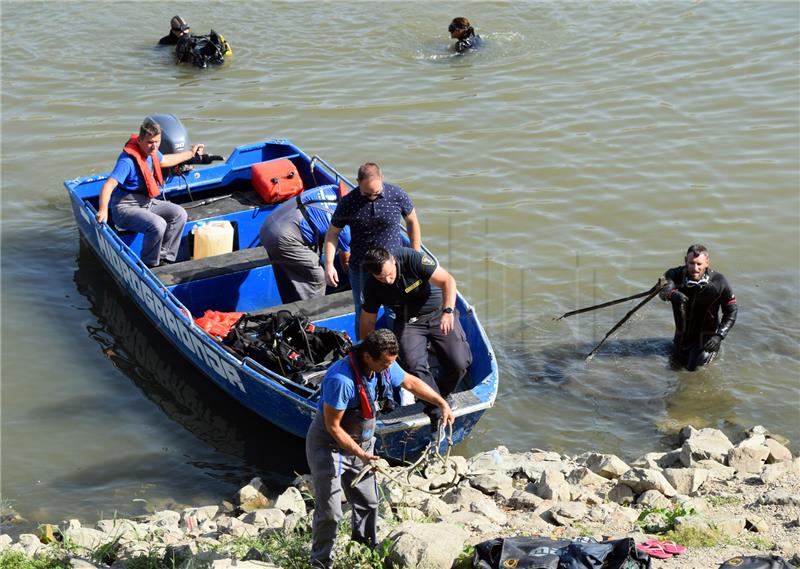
(160,222)
(332,472)
(298,273)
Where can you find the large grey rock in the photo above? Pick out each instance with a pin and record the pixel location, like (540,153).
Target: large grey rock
(86,538)
(5,541)
(774,471)
(31,543)
(621,494)
(729,524)
(524,500)
(777,452)
(476,523)
(653,499)
(118,528)
(703,445)
(716,471)
(291,500)
(252,496)
(269,518)
(566,513)
(583,476)
(608,466)
(191,518)
(426,546)
(642,479)
(435,507)
(553,486)
(686,480)
(778,498)
(165,518)
(748,459)
(496,483)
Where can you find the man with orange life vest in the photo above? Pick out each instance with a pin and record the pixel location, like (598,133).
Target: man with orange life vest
(341,438)
(698,295)
(132,187)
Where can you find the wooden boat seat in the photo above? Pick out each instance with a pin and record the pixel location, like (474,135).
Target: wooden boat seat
(317,308)
(196,269)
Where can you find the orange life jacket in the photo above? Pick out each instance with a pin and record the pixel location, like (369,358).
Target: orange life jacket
(151,181)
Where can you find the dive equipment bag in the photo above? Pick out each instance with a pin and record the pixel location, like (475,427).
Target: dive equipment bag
(545,553)
(202,50)
(288,344)
(276,180)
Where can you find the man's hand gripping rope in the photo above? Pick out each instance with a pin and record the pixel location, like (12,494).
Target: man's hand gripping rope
(431,463)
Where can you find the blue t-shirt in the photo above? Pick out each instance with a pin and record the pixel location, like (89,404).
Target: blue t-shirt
(373,223)
(127,174)
(320,203)
(469,44)
(339,384)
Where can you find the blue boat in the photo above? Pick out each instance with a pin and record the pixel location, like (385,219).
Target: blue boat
(171,296)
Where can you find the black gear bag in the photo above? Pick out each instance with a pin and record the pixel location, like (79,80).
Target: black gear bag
(545,553)
(288,344)
(202,50)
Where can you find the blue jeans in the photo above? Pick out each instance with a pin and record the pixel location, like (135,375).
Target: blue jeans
(357,280)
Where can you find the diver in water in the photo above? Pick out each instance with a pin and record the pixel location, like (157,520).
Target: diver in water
(698,294)
(177,29)
(461,30)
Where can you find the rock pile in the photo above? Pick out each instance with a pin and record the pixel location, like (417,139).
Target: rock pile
(745,494)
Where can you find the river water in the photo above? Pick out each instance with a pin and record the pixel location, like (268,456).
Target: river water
(570,162)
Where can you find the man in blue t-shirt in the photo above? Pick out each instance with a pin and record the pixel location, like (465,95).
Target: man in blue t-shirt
(130,193)
(373,214)
(341,438)
(293,235)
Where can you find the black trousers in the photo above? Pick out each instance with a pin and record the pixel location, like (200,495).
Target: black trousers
(452,350)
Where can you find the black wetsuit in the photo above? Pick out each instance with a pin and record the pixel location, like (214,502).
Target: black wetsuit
(468,44)
(169,39)
(697,318)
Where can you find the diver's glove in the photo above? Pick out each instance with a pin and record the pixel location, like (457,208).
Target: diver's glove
(205,158)
(677,298)
(712,344)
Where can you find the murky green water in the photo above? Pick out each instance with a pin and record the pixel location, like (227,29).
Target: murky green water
(570,162)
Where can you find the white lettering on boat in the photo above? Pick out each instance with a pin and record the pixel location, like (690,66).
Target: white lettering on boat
(156,304)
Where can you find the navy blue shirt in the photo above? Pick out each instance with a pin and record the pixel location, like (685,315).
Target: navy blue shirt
(320,203)
(372,223)
(411,293)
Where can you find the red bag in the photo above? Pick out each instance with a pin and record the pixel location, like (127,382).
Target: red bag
(276,180)
(218,323)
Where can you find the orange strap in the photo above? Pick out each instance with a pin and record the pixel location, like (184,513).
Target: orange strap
(153,179)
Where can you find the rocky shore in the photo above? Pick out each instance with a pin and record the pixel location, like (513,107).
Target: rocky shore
(719,498)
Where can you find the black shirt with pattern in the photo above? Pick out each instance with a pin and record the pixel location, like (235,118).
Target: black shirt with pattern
(373,223)
(411,294)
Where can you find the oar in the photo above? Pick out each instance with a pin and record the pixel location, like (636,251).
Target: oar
(603,305)
(650,294)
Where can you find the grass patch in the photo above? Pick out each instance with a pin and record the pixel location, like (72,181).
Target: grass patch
(718,501)
(661,520)
(758,542)
(18,560)
(694,537)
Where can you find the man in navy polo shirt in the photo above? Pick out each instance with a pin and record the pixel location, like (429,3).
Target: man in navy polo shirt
(373,214)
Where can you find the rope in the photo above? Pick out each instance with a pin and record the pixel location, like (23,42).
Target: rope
(424,464)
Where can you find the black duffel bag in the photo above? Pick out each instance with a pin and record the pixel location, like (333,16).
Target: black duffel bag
(286,343)
(545,553)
